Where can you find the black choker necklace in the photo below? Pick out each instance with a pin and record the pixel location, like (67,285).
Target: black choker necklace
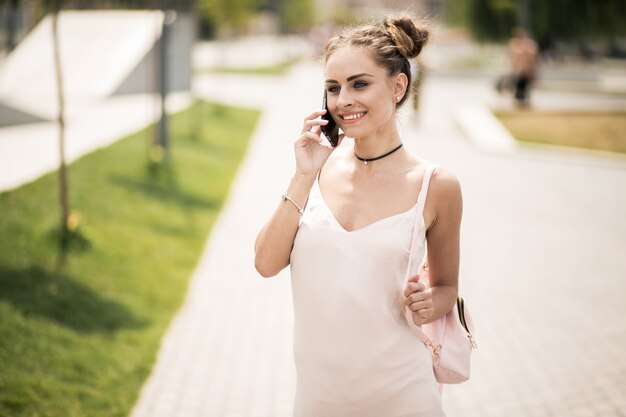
(366,160)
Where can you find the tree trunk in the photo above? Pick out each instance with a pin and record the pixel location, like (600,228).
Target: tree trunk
(11,11)
(63,197)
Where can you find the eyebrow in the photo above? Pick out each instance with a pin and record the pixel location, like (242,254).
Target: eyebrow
(352,77)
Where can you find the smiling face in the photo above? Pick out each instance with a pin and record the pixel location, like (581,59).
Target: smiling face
(362,97)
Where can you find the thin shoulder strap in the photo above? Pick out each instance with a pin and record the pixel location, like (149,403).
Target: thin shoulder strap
(413,267)
(421,198)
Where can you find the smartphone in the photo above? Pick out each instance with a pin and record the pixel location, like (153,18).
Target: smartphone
(331,129)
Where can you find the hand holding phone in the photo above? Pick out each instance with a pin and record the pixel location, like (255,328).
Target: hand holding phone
(331,129)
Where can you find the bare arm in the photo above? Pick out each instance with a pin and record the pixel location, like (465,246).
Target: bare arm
(275,241)
(443,252)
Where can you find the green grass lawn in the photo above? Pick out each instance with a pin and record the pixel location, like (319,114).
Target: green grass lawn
(604,131)
(280,68)
(79,331)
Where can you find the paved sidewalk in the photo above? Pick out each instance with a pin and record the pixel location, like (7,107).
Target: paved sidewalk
(228,352)
(542,267)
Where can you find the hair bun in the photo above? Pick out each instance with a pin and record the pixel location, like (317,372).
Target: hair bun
(408,37)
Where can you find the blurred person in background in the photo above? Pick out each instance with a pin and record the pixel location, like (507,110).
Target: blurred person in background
(523,55)
(345,228)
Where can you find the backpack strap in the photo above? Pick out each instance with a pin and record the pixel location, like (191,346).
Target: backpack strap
(421,202)
(413,267)
(421,198)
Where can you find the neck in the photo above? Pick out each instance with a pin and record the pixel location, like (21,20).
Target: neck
(382,161)
(377,144)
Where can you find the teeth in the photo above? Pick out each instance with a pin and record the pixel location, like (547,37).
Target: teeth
(353,116)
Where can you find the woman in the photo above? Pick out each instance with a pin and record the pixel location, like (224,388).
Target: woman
(345,226)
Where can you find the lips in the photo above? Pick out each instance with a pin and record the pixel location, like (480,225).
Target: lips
(352,117)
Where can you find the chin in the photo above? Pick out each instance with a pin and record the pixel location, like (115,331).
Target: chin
(352,132)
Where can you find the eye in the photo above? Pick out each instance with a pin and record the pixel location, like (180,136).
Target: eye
(360,84)
(332,88)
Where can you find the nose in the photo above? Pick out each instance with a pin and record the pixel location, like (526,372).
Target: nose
(344,99)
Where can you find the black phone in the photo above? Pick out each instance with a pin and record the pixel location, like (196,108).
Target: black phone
(331,129)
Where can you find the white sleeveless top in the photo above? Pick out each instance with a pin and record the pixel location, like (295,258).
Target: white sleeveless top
(355,354)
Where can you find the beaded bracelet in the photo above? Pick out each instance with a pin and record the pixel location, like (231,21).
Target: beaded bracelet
(285,198)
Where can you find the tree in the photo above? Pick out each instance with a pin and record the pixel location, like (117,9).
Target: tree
(228,14)
(234,15)
(561,19)
(298,14)
(487,19)
(576,19)
(11,8)
(63,192)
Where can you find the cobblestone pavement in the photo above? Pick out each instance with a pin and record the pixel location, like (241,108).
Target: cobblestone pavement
(543,270)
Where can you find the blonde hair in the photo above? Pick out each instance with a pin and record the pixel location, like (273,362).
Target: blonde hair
(392,44)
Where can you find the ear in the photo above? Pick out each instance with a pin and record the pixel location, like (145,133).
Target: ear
(400,85)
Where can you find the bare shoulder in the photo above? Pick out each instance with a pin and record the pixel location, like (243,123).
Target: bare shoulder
(445,201)
(444,184)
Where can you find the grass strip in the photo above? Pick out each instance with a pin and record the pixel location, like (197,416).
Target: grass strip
(280,68)
(80,329)
(605,131)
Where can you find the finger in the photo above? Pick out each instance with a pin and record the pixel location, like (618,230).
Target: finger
(412,287)
(310,124)
(316,121)
(315,115)
(414,278)
(421,305)
(409,289)
(421,316)
(422,299)
(417,297)
(423,311)
(309,136)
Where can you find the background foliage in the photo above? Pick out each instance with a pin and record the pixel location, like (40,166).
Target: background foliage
(570,20)
(235,15)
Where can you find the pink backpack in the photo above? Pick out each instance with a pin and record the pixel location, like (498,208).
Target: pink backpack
(450,340)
